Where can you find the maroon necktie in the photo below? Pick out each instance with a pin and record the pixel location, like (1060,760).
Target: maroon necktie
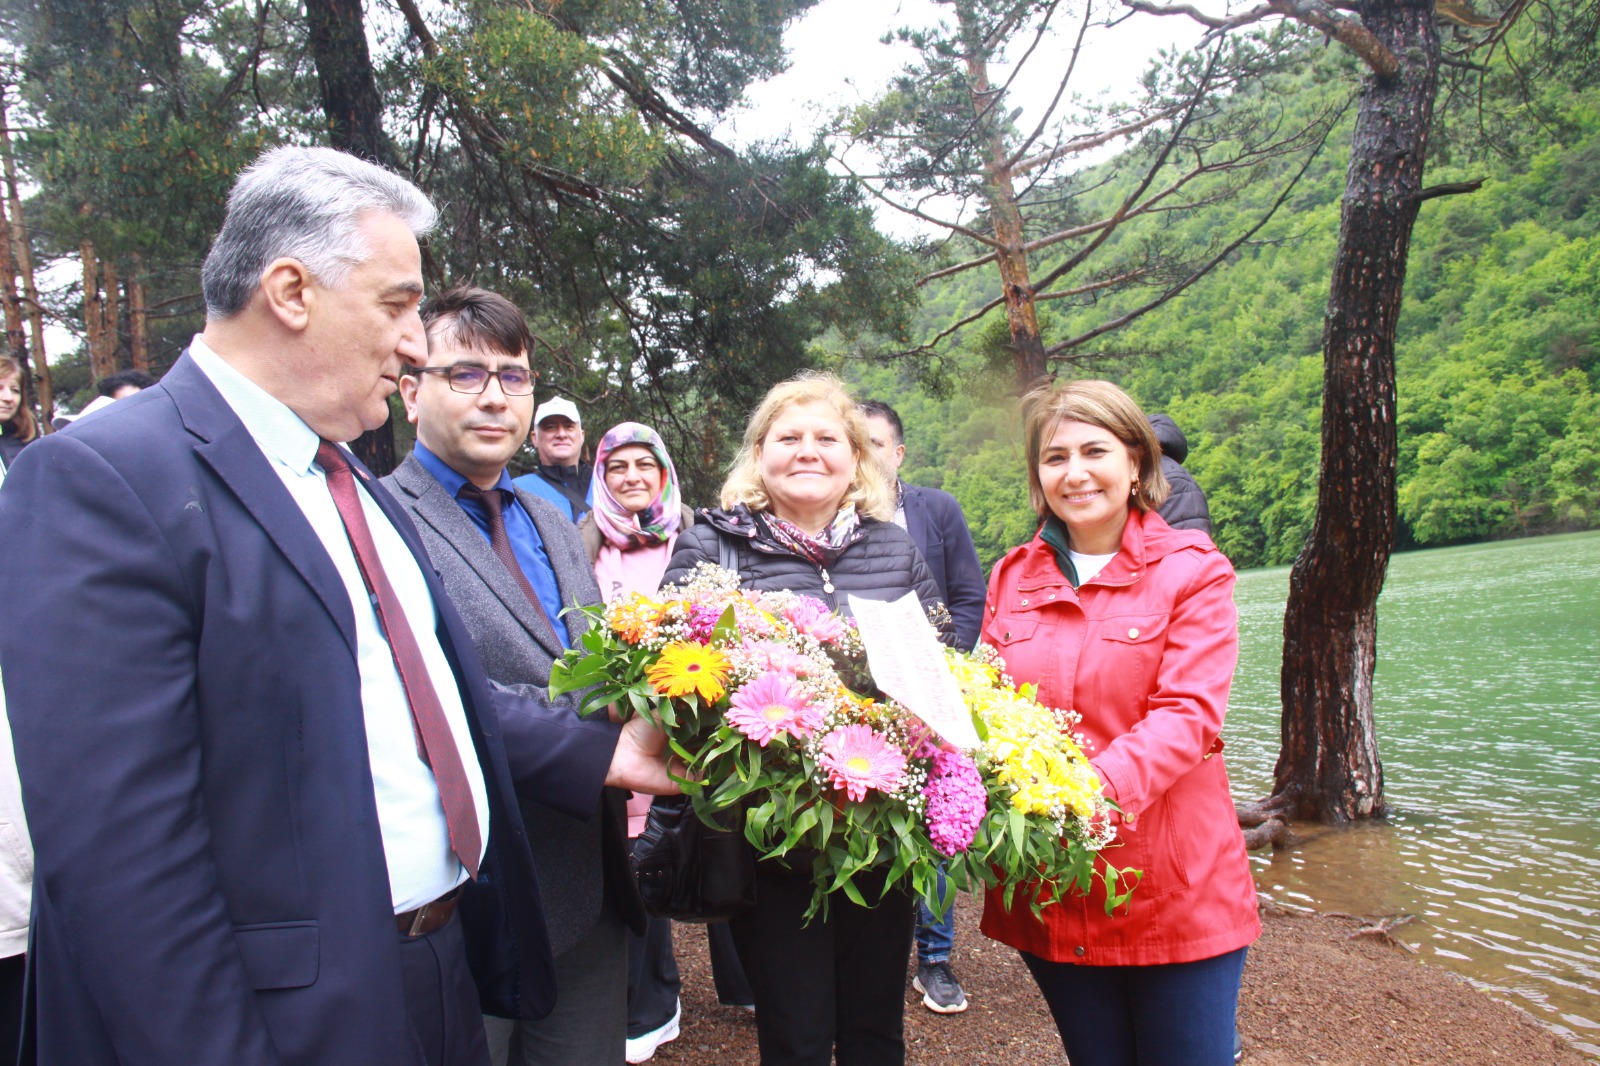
(439,749)
(493,501)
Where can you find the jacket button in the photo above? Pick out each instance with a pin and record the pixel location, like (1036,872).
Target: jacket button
(1132,633)
(1008,635)
(1024,603)
(1078,952)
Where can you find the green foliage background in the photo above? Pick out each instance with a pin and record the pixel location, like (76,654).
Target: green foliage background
(1498,353)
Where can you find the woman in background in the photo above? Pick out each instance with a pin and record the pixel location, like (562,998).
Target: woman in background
(1130,623)
(17,425)
(638,513)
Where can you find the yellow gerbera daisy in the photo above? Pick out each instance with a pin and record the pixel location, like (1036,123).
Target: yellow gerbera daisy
(686,667)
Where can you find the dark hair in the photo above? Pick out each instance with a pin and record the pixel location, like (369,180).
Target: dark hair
(22,425)
(476,318)
(879,409)
(1099,403)
(108,385)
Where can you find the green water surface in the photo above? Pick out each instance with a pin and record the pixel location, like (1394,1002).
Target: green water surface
(1488,713)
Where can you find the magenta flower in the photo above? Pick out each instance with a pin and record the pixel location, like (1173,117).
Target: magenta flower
(811,615)
(858,758)
(770,706)
(957,801)
(770,655)
(703,618)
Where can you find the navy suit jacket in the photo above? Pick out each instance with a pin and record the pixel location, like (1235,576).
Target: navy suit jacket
(185,701)
(935,522)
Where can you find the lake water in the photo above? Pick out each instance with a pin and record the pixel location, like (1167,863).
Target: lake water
(1488,712)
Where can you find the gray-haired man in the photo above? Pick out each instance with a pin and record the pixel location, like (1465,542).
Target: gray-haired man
(269,787)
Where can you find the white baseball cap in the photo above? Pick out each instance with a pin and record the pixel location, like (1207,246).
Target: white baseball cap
(558,407)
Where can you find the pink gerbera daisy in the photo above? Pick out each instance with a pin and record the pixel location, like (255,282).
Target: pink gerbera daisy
(769,706)
(858,758)
(773,656)
(810,615)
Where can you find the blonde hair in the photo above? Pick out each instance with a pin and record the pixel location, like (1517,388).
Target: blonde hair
(1099,403)
(869,491)
(21,425)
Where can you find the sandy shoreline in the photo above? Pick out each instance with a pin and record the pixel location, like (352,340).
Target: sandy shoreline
(1312,994)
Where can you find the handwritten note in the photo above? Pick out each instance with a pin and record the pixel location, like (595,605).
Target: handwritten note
(907,662)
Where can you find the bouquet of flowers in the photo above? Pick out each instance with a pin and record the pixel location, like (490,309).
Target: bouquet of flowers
(764,696)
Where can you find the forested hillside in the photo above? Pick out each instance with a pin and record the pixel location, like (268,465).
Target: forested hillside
(1499,366)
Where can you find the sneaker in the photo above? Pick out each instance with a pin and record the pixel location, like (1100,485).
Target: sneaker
(1238,1044)
(641,1048)
(941,992)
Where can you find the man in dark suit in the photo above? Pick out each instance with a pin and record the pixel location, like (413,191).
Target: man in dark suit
(471,405)
(257,748)
(935,522)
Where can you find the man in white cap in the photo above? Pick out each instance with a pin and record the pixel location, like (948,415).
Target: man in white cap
(561,478)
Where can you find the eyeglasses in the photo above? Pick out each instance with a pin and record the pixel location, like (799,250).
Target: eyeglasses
(472,380)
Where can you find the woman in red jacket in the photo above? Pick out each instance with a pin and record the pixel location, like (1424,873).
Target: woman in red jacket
(1130,623)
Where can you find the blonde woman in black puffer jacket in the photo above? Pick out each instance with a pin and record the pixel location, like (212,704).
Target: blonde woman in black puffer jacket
(806,509)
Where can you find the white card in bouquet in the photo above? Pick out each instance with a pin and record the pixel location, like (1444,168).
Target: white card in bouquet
(907,662)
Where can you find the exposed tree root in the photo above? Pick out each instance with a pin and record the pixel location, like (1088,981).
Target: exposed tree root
(1266,822)
(1381,928)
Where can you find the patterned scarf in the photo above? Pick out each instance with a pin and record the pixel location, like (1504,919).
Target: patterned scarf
(659,521)
(825,547)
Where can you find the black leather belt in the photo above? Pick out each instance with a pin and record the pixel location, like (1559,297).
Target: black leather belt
(430,916)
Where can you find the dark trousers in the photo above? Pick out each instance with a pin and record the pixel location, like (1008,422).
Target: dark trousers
(727,972)
(1181,1014)
(836,986)
(13,969)
(441,999)
(653,982)
(590,1019)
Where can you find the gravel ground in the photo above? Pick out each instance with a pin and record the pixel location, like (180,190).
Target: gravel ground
(1312,994)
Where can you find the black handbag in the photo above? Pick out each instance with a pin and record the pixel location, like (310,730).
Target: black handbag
(689,871)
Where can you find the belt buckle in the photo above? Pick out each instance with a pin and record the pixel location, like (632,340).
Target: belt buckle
(420,915)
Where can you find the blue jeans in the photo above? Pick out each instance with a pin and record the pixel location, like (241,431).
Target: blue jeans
(936,938)
(1180,1014)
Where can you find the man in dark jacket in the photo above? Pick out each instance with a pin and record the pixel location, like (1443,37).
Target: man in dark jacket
(935,521)
(1186,504)
(269,788)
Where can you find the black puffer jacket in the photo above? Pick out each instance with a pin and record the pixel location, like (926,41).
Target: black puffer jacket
(1186,505)
(883,564)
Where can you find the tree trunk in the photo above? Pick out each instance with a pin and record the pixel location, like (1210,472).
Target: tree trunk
(93,315)
(138,324)
(338,39)
(16,335)
(1328,768)
(24,259)
(110,318)
(1022,319)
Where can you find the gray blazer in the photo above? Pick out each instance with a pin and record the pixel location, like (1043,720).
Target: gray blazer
(581,864)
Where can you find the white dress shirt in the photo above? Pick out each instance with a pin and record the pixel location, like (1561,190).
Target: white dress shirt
(416,839)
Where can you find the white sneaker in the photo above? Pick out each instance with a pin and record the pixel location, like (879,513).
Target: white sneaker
(641,1048)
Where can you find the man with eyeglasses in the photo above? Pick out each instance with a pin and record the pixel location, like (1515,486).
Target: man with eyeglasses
(512,562)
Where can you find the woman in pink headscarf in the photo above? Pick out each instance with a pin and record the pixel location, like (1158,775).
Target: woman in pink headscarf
(637,511)
(637,516)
